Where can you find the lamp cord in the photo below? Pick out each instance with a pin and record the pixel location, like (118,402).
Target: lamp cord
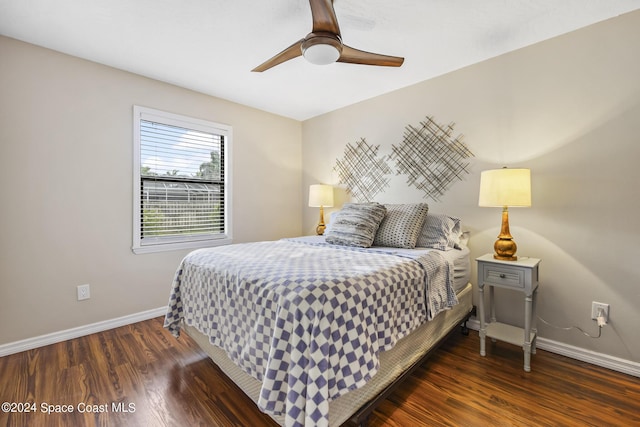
(572,327)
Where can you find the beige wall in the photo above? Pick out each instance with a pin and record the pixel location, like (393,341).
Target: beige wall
(66,188)
(569,109)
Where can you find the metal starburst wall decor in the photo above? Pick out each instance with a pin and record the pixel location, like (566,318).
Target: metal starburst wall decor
(362,171)
(431,157)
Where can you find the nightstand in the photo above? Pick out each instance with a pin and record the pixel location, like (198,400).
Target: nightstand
(520,275)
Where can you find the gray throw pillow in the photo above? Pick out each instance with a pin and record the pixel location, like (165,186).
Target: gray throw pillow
(401,225)
(356,224)
(440,232)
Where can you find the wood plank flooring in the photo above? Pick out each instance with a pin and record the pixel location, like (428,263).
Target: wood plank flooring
(139,375)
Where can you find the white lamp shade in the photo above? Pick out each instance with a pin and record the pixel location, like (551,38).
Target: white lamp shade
(505,187)
(320,195)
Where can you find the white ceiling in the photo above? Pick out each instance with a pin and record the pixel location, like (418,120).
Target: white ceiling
(210,46)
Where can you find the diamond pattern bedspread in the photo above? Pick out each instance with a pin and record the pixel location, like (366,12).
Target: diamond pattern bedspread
(307,321)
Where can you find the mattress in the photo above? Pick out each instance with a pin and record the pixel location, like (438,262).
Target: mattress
(393,363)
(459,257)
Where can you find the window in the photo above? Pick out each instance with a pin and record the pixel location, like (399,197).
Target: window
(181,182)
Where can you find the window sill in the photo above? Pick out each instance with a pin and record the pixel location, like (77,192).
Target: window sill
(177,246)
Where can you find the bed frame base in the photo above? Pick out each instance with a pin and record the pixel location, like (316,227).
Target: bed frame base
(361,417)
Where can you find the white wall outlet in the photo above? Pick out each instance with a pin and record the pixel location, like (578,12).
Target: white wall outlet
(84,292)
(596,307)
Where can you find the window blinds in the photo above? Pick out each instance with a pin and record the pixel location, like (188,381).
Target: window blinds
(181,182)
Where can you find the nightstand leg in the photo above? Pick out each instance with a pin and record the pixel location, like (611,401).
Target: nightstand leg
(534,321)
(526,347)
(492,308)
(483,326)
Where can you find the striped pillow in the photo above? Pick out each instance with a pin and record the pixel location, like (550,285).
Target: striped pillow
(356,224)
(440,232)
(401,226)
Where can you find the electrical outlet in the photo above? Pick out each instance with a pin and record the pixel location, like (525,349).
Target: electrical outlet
(596,307)
(84,292)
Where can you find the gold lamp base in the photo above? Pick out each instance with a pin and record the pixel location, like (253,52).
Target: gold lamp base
(321,226)
(505,247)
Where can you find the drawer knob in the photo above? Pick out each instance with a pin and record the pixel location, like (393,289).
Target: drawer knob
(502,275)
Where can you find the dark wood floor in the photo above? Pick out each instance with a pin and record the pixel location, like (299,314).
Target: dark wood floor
(139,375)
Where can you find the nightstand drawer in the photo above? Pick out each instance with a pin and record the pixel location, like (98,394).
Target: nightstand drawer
(511,277)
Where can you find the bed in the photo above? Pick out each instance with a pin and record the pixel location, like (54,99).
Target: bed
(315,330)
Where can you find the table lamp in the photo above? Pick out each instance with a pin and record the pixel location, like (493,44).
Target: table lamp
(320,195)
(503,188)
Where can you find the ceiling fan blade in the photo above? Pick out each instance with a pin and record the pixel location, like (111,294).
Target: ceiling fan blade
(355,56)
(324,17)
(291,52)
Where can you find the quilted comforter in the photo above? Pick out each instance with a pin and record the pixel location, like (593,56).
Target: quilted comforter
(308,321)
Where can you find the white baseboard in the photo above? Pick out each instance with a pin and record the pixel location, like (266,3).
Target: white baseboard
(55,337)
(610,362)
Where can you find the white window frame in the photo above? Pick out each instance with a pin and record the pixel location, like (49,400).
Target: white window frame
(159,244)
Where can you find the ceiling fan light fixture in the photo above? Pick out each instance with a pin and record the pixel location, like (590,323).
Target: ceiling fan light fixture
(321,54)
(321,50)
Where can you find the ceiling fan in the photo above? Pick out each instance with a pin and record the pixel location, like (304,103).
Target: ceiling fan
(323,45)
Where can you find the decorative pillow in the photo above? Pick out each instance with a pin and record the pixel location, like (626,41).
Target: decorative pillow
(356,224)
(440,232)
(401,225)
(332,216)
